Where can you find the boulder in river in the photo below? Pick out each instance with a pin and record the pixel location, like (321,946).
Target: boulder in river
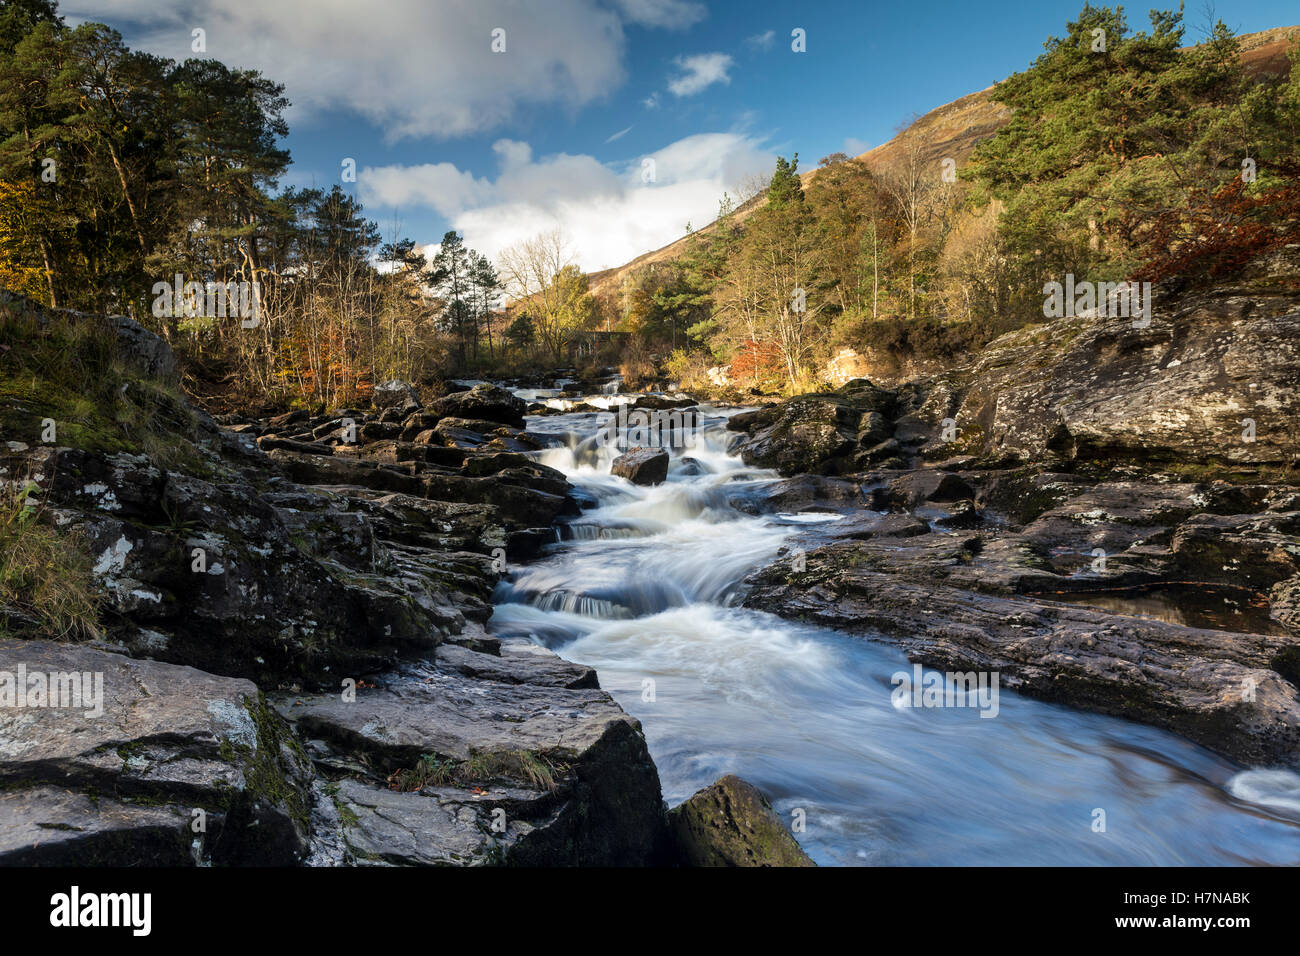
(396,394)
(483,402)
(732,824)
(642,466)
(814,434)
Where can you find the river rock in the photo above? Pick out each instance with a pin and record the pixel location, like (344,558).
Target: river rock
(642,466)
(396,394)
(121,782)
(563,772)
(209,573)
(732,824)
(815,434)
(483,402)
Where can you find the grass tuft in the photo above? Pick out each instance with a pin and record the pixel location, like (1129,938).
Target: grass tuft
(515,766)
(47,586)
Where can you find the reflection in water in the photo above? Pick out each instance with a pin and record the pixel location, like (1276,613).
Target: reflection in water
(644,588)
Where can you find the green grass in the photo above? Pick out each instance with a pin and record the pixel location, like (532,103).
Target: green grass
(515,766)
(47,587)
(63,367)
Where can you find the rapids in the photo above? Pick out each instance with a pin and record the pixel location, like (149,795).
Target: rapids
(645,586)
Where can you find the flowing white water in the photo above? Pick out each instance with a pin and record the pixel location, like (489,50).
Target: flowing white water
(644,587)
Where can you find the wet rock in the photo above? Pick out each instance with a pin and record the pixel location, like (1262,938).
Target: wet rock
(870,524)
(483,402)
(962,516)
(732,824)
(817,434)
(806,492)
(518,662)
(121,781)
(642,466)
(930,485)
(500,771)
(521,505)
(662,402)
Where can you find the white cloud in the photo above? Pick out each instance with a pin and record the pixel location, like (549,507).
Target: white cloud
(762,41)
(413,67)
(855,147)
(619,135)
(651,102)
(699,72)
(609,214)
(671,14)
(439,186)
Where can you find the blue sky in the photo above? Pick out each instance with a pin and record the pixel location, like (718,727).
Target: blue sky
(563,128)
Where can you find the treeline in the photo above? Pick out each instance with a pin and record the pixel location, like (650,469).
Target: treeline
(1126,156)
(136,185)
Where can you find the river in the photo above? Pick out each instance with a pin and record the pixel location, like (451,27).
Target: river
(645,586)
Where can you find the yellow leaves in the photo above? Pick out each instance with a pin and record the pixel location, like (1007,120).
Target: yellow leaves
(21,269)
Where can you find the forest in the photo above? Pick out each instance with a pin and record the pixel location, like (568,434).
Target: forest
(1127,155)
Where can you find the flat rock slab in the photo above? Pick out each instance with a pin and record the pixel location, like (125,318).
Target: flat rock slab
(483,716)
(518,662)
(48,826)
(455,716)
(153,734)
(413,829)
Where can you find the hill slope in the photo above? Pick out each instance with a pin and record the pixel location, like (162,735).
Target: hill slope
(949,131)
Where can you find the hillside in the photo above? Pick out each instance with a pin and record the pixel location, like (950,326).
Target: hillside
(952,130)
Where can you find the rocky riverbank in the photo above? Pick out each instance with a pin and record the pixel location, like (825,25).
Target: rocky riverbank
(291,650)
(290,665)
(292,646)
(1106,515)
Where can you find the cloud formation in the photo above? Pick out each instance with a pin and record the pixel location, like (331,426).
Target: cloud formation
(611,213)
(412,67)
(669,14)
(699,72)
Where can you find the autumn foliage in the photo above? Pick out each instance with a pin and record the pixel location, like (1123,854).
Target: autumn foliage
(757,362)
(1222,229)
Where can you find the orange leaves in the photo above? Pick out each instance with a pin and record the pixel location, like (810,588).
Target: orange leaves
(1222,230)
(757,361)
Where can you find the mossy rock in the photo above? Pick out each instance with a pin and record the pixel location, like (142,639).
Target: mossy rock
(732,824)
